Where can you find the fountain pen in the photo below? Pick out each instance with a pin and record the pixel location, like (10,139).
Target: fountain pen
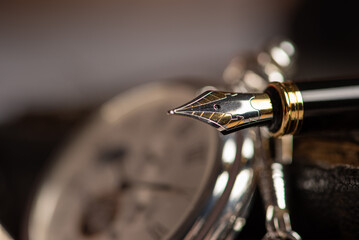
(284,107)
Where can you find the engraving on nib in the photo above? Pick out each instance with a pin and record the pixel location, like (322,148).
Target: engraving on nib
(227,111)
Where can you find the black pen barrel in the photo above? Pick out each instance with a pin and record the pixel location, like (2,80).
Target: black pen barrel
(330,104)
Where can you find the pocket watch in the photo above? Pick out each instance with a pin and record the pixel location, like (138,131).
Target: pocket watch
(135,173)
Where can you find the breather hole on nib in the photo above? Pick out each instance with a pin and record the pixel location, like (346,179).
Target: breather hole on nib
(216,107)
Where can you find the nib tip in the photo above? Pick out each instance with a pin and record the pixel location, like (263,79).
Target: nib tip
(171,112)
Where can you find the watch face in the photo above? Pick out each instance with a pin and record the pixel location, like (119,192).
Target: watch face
(133,173)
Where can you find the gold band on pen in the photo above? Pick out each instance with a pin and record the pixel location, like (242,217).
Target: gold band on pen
(292,108)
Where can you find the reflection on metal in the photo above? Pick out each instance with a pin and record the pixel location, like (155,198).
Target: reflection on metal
(283,53)
(228,206)
(246,153)
(245,76)
(292,107)
(248,148)
(252,79)
(280,56)
(220,185)
(227,111)
(284,150)
(276,77)
(272,181)
(288,47)
(273,191)
(235,202)
(252,75)
(278,225)
(241,184)
(331,94)
(229,150)
(278,182)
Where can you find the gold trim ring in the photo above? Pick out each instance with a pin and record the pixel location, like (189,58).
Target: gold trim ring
(292,108)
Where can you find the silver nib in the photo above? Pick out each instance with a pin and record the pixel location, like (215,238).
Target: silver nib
(227,111)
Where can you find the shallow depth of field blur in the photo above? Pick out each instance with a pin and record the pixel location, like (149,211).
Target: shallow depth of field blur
(61,59)
(71,52)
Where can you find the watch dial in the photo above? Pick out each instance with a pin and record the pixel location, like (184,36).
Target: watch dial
(133,173)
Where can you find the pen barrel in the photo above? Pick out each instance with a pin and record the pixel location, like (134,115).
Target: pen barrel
(330,104)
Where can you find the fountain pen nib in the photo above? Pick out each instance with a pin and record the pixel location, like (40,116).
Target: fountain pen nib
(228,111)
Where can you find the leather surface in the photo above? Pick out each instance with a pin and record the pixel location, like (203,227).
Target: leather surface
(325,188)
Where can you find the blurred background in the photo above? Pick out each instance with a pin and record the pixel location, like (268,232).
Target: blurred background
(66,53)
(59,60)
